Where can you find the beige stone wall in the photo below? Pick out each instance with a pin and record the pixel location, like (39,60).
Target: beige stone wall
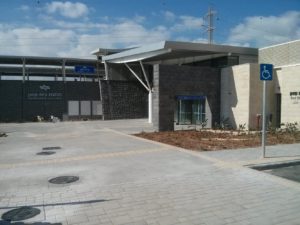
(241,88)
(235,92)
(288,82)
(286,60)
(241,96)
(255,99)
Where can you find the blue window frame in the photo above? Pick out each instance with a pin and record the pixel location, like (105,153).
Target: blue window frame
(190,110)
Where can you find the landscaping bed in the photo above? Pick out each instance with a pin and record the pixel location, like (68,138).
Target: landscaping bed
(210,140)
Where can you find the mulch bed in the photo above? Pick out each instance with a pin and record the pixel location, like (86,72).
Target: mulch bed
(212,140)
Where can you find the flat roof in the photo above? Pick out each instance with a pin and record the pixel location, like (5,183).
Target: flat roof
(285,43)
(168,50)
(8,70)
(37,60)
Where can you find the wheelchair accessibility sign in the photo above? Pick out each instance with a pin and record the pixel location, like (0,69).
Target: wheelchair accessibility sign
(266,72)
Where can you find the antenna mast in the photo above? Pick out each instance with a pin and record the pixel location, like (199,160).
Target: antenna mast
(210,27)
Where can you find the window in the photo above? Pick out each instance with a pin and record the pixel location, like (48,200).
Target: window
(190,110)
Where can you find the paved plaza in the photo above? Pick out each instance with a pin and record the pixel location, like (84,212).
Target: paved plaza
(127,180)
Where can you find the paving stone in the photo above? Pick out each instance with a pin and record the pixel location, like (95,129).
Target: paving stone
(141,182)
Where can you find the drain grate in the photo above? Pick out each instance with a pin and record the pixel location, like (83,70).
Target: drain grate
(52,148)
(64,179)
(46,153)
(21,213)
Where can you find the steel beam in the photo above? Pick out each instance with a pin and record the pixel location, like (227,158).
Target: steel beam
(137,77)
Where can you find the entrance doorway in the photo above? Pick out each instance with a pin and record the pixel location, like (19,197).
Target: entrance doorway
(278,110)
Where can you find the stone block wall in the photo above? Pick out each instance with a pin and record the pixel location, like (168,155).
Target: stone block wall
(123,100)
(171,80)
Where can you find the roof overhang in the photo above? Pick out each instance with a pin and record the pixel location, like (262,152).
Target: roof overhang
(171,50)
(108,51)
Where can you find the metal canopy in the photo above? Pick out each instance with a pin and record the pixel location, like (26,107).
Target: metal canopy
(107,51)
(172,50)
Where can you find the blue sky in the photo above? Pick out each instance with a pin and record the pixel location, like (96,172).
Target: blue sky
(75,28)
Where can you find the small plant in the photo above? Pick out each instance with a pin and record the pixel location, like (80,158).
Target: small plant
(241,128)
(224,124)
(272,130)
(291,128)
(216,126)
(203,124)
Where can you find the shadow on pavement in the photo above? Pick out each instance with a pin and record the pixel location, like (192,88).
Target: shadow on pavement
(60,204)
(3,222)
(9,221)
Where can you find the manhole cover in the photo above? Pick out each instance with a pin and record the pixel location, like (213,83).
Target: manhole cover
(45,153)
(64,179)
(52,148)
(21,213)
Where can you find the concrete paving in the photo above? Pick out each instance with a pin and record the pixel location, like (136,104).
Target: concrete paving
(128,180)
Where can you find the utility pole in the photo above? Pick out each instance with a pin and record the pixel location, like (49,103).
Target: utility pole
(209,17)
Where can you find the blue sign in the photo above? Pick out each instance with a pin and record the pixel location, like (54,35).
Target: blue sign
(266,72)
(189,97)
(84,69)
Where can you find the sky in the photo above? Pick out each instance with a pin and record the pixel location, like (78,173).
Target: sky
(75,28)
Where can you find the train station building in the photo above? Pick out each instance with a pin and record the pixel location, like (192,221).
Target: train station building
(177,85)
(182,79)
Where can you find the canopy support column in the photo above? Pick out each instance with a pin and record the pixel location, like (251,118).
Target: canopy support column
(64,70)
(23,69)
(150,111)
(106,70)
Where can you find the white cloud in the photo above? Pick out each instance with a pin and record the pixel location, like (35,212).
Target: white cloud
(80,26)
(139,19)
(117,36)
(34,41)
(263,31)
(188,23)
(200,40)
(191,22)
(24,8)
(169,16)
(70,38)
(68,9)
(76,43)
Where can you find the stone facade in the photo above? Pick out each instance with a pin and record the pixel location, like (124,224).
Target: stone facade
(123,100)
(287,83)
(241,91)
(170,81)
(241,96)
